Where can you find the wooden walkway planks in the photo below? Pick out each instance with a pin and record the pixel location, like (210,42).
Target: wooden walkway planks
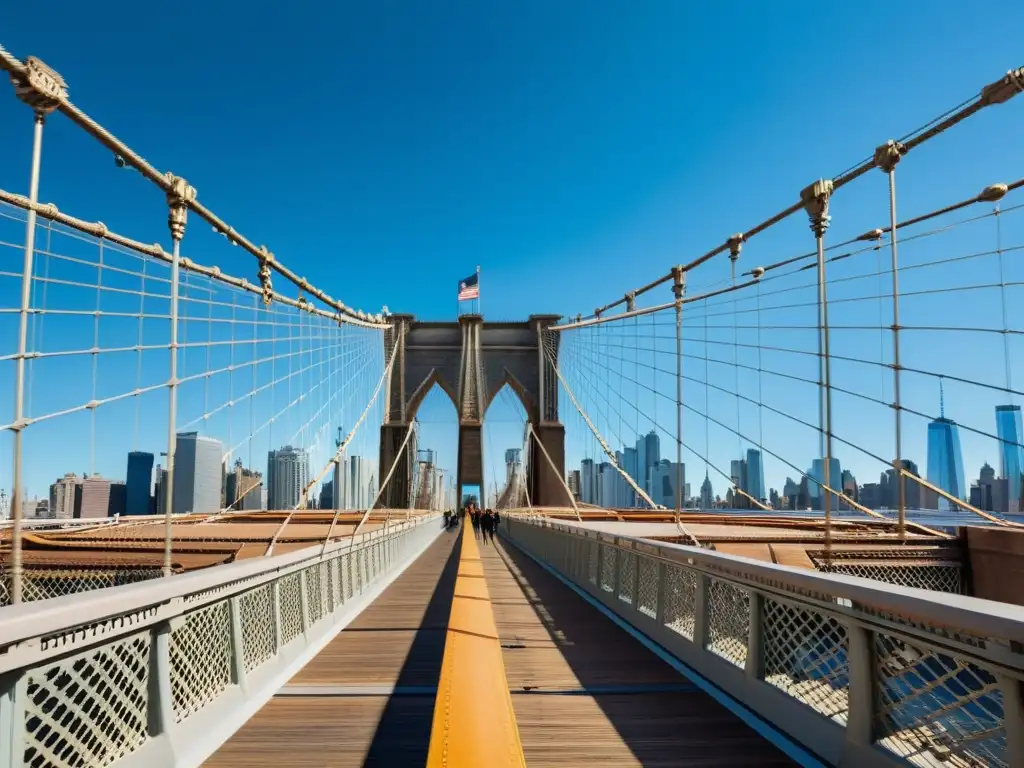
(556,644)
(398,640)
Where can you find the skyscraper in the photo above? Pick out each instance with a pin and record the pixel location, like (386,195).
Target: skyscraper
(62,497)
(707,495)
(287,475)
(242,488)
(664,482)
(512,462)
(945,462)
(755,475)
(738,475)
(653,456)
(588,487)
(816,475)
(198,473)
(92,497)
(1011,460)
(139,482)
(361,483)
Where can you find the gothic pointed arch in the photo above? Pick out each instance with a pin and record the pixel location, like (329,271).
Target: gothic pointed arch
(424,387)
(525,397)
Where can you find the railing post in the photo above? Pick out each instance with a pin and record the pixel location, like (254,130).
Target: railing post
(275,601)
(160,698)
(700,611)
(755,637)
(636,580)
(1013,719)
(861,663)
(304,600)
(237,642)
(659,606)
(617,570)
(13,689)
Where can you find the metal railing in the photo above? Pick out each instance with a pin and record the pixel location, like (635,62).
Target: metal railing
(859,673)
(119,676)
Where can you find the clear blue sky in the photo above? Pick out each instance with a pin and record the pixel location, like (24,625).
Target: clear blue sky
(573,150)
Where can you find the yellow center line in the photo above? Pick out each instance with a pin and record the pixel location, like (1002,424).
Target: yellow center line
(474,723)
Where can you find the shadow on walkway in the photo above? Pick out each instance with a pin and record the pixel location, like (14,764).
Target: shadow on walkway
(678,726)
(403,733)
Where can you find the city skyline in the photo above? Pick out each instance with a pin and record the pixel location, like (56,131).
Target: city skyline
(648,214)
(944,469)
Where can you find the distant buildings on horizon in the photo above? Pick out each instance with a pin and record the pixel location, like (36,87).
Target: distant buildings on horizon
(203,483)
(603,485)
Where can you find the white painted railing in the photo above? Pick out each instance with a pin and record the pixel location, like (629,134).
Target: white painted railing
(859,672)
(122,675)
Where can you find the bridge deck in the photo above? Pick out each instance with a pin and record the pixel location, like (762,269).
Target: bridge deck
(355,718)
(583,690)
(586,692)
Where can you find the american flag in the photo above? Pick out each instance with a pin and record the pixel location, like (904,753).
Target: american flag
(469,288)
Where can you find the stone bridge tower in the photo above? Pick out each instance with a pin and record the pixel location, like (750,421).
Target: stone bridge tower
(471,361)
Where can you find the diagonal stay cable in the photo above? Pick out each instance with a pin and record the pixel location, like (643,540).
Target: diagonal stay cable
(607,449)
(380,491)
(334,459)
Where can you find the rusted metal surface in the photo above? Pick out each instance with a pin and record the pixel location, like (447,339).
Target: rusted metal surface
(198,541)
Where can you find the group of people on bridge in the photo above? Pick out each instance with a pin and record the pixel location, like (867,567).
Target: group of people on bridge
(485,522)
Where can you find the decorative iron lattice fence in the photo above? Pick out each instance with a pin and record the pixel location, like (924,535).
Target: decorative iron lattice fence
(123,671)
(42,584)
(883,675)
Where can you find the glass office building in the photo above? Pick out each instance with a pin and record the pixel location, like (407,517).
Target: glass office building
(945,461)
(1008,428)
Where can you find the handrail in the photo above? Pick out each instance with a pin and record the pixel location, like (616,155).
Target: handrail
(854,671)
(985,618)
(24,621)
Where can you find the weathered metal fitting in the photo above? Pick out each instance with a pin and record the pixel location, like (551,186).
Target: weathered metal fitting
(597,313)
(993,192)
(678,282)
(874,234)
(39,86)
(266,283)
(757,273)
(815,199)
(889,154)
(735,244)
(1005,88)
(179,196)
(631,301)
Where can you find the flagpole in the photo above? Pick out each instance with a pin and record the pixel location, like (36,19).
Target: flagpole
(479,296)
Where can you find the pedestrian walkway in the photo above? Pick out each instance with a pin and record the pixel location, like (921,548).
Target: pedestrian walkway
(587,693)
(368,697)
